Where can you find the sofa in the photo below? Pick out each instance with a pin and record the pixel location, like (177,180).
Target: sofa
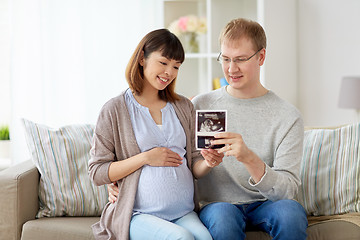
(329,217)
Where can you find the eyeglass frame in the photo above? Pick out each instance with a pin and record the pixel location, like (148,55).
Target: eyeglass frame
(239,59)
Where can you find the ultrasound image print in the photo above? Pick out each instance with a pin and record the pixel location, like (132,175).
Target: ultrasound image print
(211,121)
(204,142)
(208,123)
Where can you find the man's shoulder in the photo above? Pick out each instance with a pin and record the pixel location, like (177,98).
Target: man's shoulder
(281,104)
(207,99)
(283,110)
(207,95)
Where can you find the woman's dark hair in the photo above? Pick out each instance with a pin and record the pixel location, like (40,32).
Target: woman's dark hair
(158,40)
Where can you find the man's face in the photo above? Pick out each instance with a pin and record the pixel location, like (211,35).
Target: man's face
(241,74)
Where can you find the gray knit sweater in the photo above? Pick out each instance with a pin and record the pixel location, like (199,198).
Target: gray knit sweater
(114,140)
(273,129)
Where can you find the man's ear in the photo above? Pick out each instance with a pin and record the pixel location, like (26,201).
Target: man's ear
(141,58)
(262,55)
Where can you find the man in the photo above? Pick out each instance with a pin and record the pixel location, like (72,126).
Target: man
(254,185)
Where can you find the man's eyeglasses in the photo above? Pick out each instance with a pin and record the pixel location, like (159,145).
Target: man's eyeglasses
(239,60)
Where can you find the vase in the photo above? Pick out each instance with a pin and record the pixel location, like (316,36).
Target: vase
(191,43)
(4,148)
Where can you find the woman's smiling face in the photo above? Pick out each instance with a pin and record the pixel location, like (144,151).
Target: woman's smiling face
(159,71)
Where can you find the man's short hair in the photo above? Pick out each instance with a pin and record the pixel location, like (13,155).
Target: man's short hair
(243,28)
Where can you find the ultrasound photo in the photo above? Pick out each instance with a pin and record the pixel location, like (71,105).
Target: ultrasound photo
(208,123)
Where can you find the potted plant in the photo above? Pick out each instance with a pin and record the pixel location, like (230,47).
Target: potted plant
(4,141)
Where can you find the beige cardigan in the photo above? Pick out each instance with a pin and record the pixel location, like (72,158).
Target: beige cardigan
(114,140)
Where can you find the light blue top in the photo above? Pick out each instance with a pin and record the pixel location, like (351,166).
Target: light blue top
(165,192)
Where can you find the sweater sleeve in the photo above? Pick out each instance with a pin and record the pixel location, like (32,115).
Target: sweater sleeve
(282,180)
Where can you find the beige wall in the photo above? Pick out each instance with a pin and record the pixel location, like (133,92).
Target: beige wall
(312,44)
(281,61)
(329,48)
(4,63)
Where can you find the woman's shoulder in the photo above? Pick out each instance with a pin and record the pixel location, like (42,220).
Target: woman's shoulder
(183,100)
(115,102)
(112,111)
(184,105)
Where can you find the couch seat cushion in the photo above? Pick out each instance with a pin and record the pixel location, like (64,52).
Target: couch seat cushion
(59,228)
(337,227)
(334,229)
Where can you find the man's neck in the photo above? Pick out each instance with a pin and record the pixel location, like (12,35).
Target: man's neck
(258,91)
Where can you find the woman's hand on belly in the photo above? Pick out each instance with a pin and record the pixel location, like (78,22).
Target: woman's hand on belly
(163,157)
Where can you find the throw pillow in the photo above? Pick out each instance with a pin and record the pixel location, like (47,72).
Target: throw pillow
(330,171)
(61,156)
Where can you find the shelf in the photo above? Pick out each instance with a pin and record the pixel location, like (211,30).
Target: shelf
(201,55)
(199,69)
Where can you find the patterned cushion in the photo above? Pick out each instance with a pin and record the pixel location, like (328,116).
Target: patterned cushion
(330,171)
(61,156)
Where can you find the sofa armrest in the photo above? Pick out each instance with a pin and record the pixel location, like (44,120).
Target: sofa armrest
(18,199)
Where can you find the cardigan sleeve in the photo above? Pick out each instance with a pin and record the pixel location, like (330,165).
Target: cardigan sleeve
(102,152)
(186,114)
(196,155)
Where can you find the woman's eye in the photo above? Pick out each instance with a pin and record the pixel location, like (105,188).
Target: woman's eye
(177,68)
(163,63)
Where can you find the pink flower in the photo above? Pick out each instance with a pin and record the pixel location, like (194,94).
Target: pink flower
(188,24)
(182,23)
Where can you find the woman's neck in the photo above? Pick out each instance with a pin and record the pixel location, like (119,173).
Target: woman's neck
(153,102)
(150,99)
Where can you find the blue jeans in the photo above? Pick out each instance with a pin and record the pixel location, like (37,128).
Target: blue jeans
(283,219)
(188,227)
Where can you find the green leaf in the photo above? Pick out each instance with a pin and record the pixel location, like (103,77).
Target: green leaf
(4,132)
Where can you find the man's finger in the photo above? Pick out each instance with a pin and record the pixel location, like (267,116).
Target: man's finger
(221,141)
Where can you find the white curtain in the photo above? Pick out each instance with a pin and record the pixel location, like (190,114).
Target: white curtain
(68,57)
